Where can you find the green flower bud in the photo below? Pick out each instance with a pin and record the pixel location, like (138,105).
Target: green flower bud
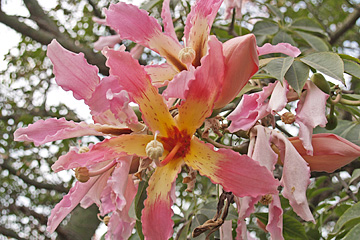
(332,122)
(321,82)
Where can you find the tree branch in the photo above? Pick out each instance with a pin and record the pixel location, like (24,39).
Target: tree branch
(348,23)
(29,181)
(9,233)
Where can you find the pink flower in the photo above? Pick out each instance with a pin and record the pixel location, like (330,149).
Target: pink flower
(135,24)
(310,109)
(235,5)
(330,152)
(113,116)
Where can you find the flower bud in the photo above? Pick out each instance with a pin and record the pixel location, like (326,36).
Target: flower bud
(288,118)
(154,149)
(321,82)
(331,122)
(82,174)
(187,55)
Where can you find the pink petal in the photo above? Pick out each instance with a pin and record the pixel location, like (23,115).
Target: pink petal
(285,48)
(100,21)
(245,206)
(137,51)
(68,203)
(160,74)
(120,226)
(156,215)
(310,113)
(236,173)
(295,178)
(251,108)
(135,80)
(81,79)
(179,85)
(167,19)
(241,62)
(202,92)
(136,25)
(198,25)
(278,98)
(275,222)
(53,129)
(106,41)
(119,106)
(226,230)
(330,152)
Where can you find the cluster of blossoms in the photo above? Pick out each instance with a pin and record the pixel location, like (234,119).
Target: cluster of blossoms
(201,74)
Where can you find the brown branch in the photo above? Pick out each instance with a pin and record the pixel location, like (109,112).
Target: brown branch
(348,23)
(47,186)
(96,10)
(346,187)
(10,233)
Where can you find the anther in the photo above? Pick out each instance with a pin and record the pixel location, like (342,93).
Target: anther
(83,149)
(288,118)
(82,174)
(187,55)
(154,150)
(266,199)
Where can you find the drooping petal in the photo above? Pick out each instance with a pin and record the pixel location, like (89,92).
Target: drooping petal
(106,41)
(81,79)
(285,48)
(135,80)
(167,19)
(330,152)
(53,129)
(275,222)
(310,113)
(198,25)
(108,149)
(119,105)
(226,230)
(245,206)
(251,108)
(278,98)
(236,173)
(68,203)
(295,177)
(160,74)
(179,85)
(241,62)
(156,215)
(136,25)
(203,90)
(137,51)
(120,226)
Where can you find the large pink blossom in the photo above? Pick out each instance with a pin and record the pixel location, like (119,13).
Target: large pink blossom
(135,24)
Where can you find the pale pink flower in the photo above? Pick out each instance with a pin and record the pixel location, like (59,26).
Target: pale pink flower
(233,5)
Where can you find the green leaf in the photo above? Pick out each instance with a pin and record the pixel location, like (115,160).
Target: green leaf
(353,234)
(346,129)
(318,191)
(293,229)
(184,231)
(297,75)
(265,28)
(352,68)
(327,63)
(348,57)
(314,41)
(307,24)
(138,226)
(348,219)
(278,67)
(139,198)
(210,209)
(283,37)
(276,11)
(355,175)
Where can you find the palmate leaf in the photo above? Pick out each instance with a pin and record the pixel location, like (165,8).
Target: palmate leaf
(278,67)
(297,75)
(314,41)
(326,62)
(352,68)
(307,24)
(353,234)
(265,28)
(283,37)
(349,219)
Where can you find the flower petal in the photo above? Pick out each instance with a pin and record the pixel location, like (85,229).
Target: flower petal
(81,79)
(203,90)
(295,177)
(236,173)
(119,105)
(156,215)
(278,98)
(106,41)
(285,48)
(245,206)
(167,19)
(160,74)
(179,85)
(330,152)
(275,223)
(68,203)
(108,149)
(310,113)
(135,80)
(136,25)
(241,62)
(53,129)
(198,25)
